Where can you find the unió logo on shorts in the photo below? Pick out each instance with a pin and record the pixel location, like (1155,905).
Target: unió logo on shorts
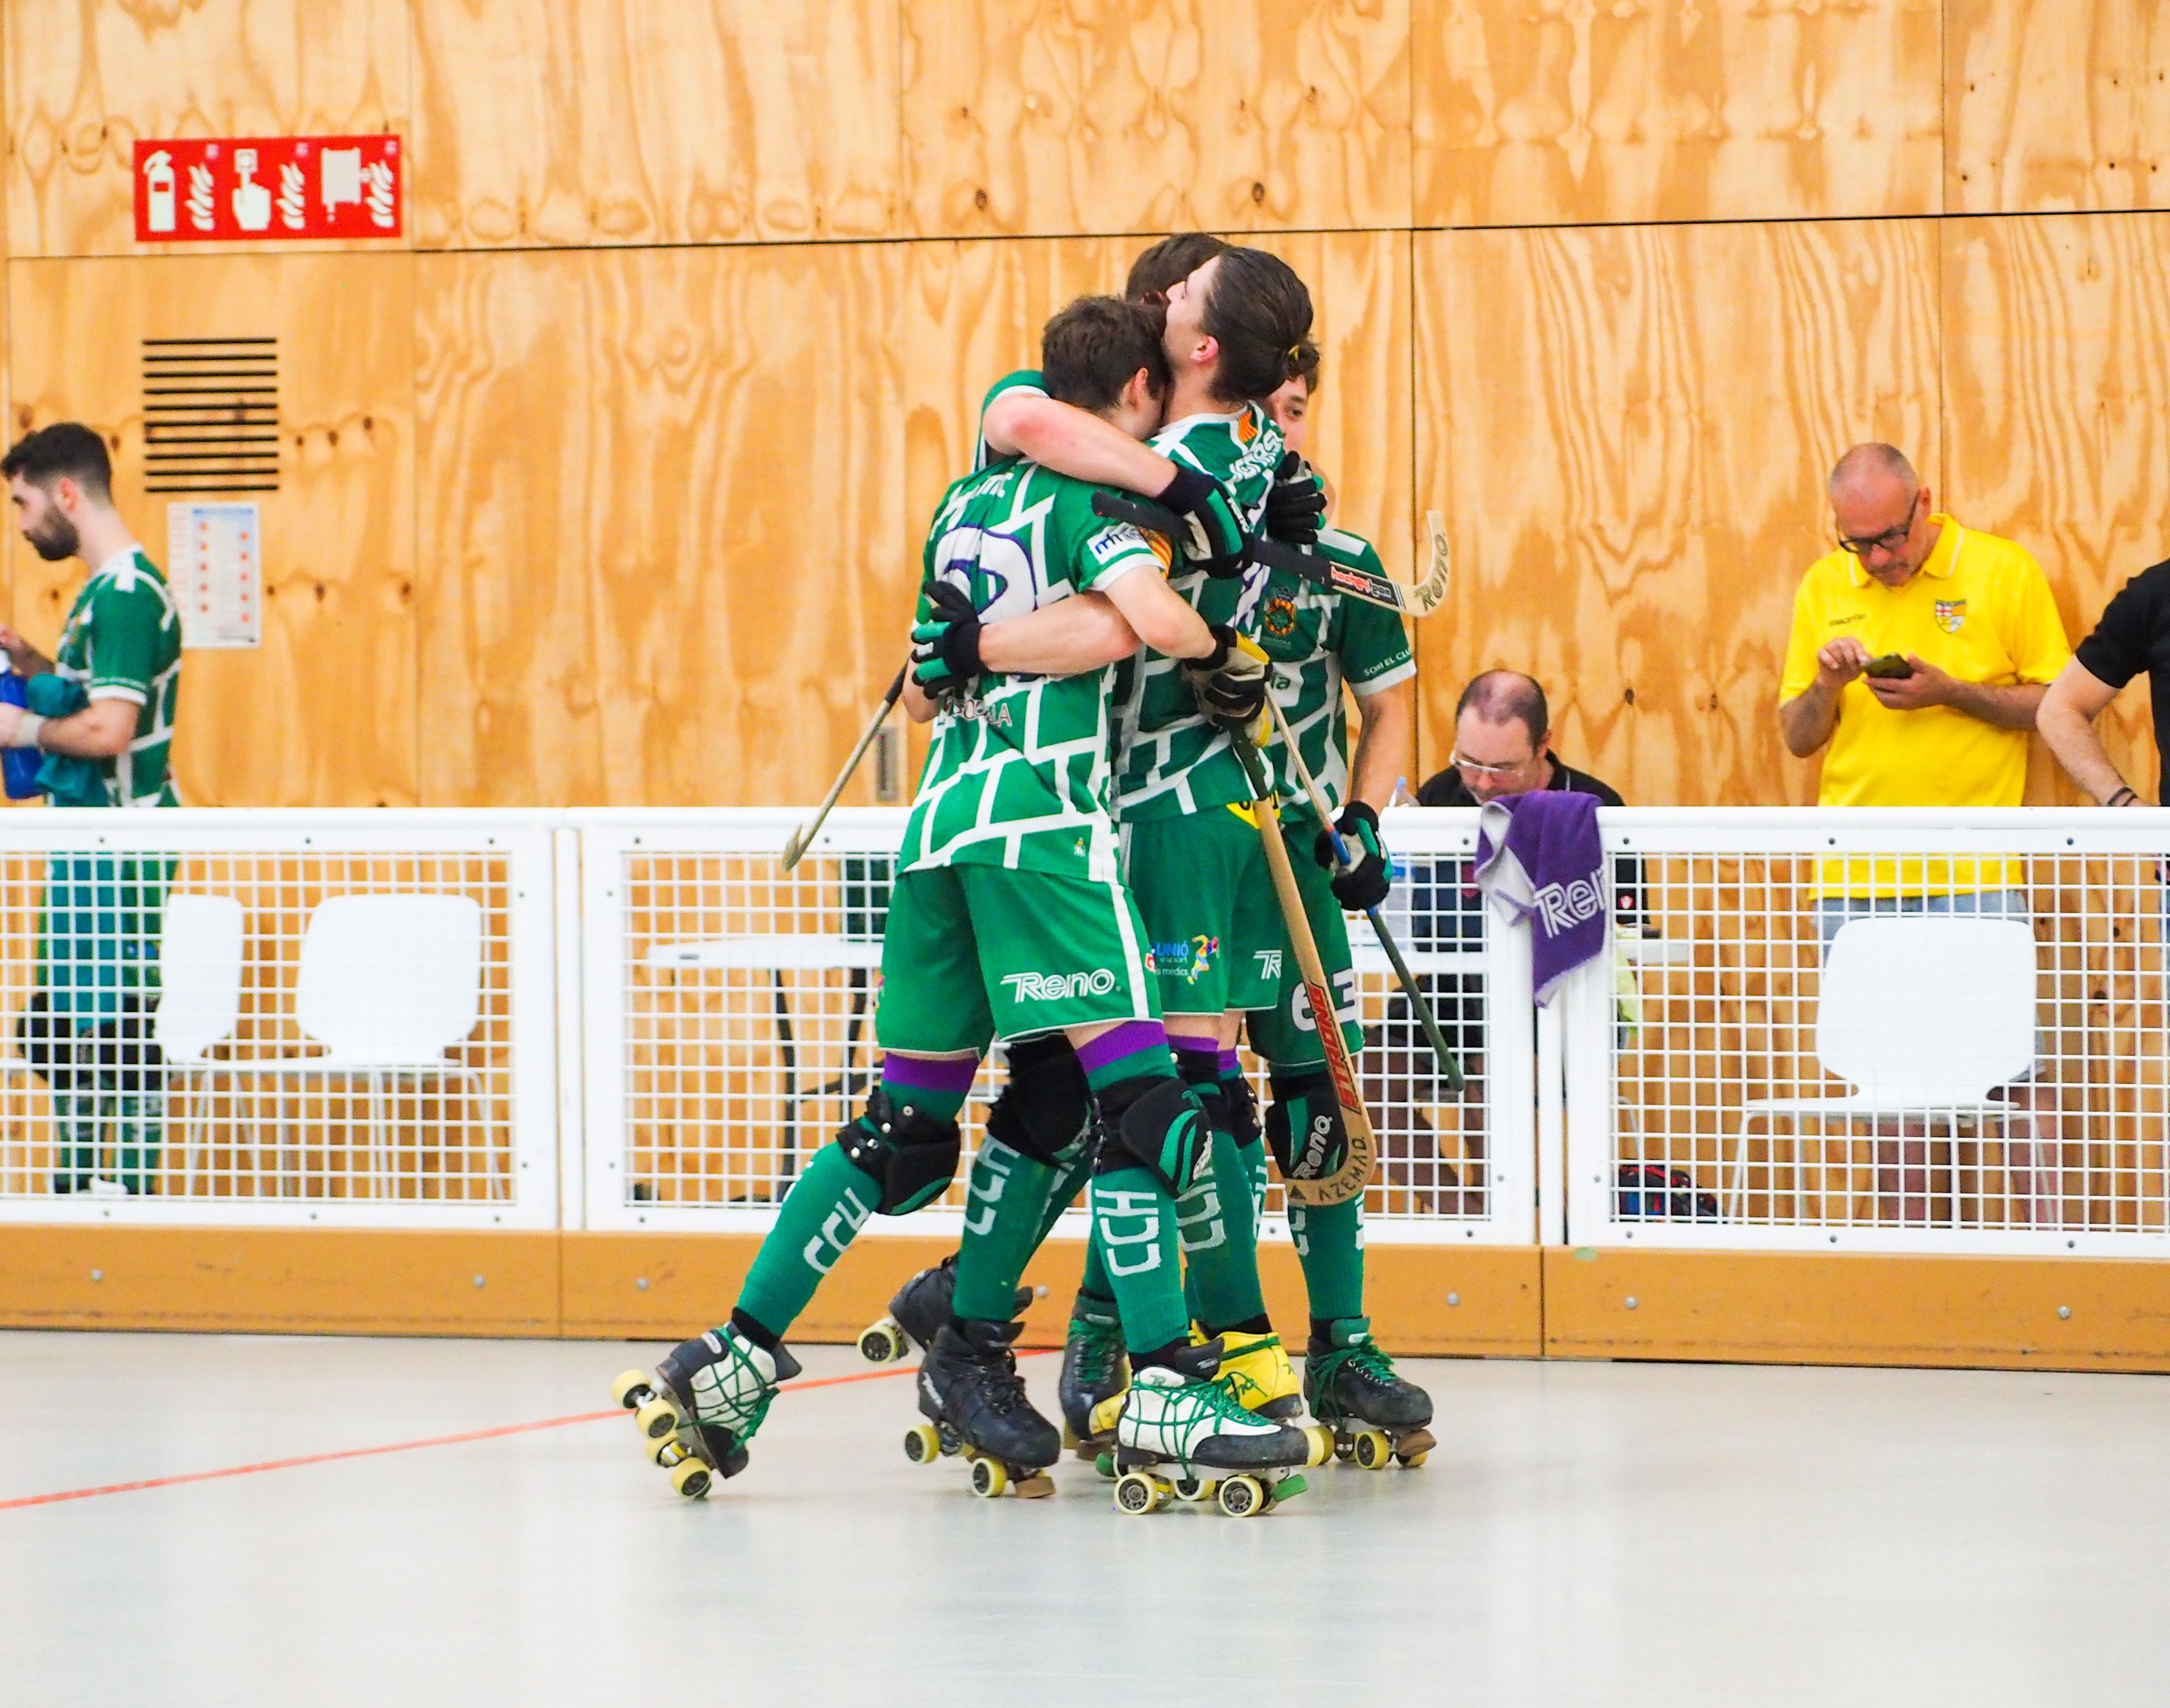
(1058,987)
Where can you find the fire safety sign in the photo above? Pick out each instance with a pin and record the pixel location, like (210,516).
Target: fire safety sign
(234,189)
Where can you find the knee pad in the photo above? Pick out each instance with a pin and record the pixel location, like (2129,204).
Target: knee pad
(1157,1124)
(1242,1107)
(1045,1110)
(1305,1127)
(909,1156)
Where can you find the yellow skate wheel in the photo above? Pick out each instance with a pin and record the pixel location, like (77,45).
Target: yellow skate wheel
(1415,1447)
(690,1478)
(1135,1493)
(883,1343)
(989,1479)
(922,1444)
(632,1390)
(1410,1461)
(1037,1487)
(1323,1445)
(1241,1497)
(1373,1450)
(656,1419)
(1195,1488)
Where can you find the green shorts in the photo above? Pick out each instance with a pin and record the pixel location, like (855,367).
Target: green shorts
(1281,1032)
(1207,899)
(974,952)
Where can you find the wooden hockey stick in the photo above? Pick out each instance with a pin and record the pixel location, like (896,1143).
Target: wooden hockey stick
(795,849)
(1448,1065)
(1349,1181)
(1320,571)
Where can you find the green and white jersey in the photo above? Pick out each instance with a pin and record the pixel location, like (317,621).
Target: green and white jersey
(1030,381)
(1319,640)
(1018,773)
(1172,760)
(123,641)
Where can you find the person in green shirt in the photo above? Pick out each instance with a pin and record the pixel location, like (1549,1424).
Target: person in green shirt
(101,712)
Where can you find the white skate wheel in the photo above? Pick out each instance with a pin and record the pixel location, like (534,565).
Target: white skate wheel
(989,1479)
(1135,1493)
(1193,1488)
(691,1479)
(657,1419)
(1241,1497)
(632,1390)
(922,1444)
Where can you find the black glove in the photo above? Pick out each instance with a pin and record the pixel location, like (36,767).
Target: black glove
(1231,681)
(945,643)
(1296,503)
(1364,884)
(1217,543)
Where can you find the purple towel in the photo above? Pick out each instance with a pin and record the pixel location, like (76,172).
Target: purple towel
(1539,858)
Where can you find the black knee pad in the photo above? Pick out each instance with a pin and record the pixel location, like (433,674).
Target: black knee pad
(1242,1107)
(1306,1101)
(1156,1123)
(1045,1111)
(911,1157)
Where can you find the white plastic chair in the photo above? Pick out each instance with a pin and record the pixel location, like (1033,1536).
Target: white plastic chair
(388,984)
(200,997)
(1903,1056)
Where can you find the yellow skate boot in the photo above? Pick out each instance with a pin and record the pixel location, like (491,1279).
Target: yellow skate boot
(1256,1371)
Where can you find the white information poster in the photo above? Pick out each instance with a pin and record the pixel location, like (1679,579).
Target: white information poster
(214,560)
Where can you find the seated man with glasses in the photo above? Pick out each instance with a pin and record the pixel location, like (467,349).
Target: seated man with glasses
(1919,653)
(1502,746)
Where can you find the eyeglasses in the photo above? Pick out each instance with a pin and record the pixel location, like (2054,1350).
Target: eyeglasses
(1890,540)
(1463,763)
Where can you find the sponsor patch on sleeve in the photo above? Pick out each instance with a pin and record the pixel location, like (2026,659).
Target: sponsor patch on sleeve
(1117,540)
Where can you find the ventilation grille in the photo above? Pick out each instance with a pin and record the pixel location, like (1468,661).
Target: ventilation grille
(211,414)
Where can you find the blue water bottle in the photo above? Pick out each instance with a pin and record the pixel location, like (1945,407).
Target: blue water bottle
(18,765)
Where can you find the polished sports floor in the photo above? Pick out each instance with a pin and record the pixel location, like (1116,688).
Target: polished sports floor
(1586,1534)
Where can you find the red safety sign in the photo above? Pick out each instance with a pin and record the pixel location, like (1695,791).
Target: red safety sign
(234,189)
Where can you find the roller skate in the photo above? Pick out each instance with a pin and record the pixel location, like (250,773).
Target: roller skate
(703,1406)
(920,1307)
(1096,1366)
(1181,1436)
(1255,1369)
(1352,1389)
(974,1403)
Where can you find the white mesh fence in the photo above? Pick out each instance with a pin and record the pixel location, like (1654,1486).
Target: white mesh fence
(1880,1031)
(335,1018)
(731,1020)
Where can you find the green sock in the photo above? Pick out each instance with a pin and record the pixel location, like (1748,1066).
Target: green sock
(1329,1242)
(827,1206)
(1219,1227)
(1064,1192)
(75,1139)
(137,1133)
(1134,1217)
(1005,1205)
(1096,1282)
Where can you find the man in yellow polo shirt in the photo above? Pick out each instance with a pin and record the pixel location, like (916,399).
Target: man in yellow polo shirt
(1919,652)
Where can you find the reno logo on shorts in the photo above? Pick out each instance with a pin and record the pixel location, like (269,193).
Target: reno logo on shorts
(1188,961)
(1059,987)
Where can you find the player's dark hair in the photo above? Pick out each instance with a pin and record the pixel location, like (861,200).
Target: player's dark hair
(66,448)
(1499,696)
(1167,261)
(1307,369)
(1259,313)
(1088,351)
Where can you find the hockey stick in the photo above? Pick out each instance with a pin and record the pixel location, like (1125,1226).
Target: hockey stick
(1447,1063)
(1349,1181)
(1320,571)
(795,849)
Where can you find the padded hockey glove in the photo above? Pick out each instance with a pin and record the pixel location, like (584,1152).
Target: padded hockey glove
(1216,542)
(1231,681)
(1364,884)
(1296,504)
(945,643)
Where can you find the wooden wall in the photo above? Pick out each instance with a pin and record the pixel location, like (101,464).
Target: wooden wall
(604,481)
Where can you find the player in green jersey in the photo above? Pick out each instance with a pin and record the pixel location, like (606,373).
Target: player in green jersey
(1318,640)
(101,712)
(1007,920)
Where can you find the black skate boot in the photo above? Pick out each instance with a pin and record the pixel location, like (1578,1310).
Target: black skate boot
(920,1307)
(1352,1388)
(1096,1366)
(707,1400)
(970,1391)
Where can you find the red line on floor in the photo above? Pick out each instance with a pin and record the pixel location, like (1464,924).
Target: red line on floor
(112,1488)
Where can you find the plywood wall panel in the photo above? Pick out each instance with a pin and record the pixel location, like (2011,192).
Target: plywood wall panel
(85,81)
(611,121)
(323,714)
(1155,116)
(2052,106)
(1629,431)
(661,503)
(1540,112)
(2058,428)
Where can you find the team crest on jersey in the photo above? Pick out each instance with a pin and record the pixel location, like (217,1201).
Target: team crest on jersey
(1278,616)
(1950,614)
(1188,961)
